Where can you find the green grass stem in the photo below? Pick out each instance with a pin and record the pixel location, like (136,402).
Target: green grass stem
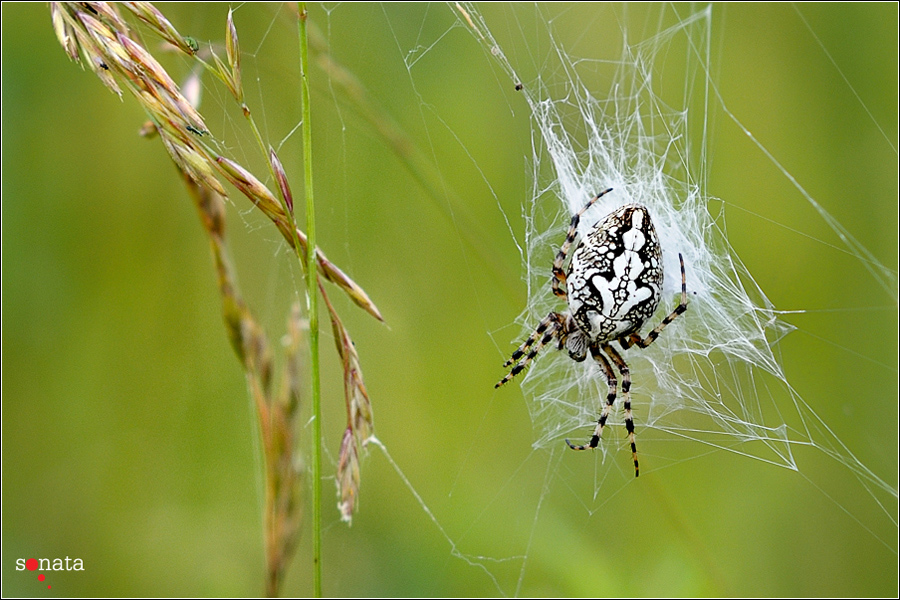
(312,298)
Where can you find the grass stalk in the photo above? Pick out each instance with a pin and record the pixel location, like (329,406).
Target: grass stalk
(96,35)
(312,298)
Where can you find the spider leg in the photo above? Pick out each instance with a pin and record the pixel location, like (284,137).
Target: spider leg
(610,400)
(559,276)
(551,327)
(635,338)
(535,335)
(626,399)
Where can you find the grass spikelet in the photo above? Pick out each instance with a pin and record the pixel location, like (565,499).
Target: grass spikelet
(150,15)
(348,477)
(251,187)
(281,177)
(360,425)
(64,32)
(233,54)
(194,164)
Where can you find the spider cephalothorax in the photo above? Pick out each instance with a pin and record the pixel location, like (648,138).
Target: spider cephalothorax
(612,286)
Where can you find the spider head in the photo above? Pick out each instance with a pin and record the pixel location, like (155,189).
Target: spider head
(576,342)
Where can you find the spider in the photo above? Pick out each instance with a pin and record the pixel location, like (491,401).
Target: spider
(612,287)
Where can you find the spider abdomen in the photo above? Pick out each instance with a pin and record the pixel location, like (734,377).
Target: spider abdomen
(615,277)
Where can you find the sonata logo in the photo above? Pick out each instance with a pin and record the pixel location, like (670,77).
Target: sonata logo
(47,564)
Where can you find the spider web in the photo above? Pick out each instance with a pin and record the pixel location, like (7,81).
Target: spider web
(714,378)
(642,115)
(630,137)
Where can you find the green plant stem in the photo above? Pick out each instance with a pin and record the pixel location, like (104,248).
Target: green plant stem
(312,274)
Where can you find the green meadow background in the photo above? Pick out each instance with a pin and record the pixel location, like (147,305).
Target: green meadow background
(128,437)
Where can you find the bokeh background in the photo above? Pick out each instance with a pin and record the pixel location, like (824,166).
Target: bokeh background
(128,437)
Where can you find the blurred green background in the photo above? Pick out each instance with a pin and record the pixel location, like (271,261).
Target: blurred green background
(128,437)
